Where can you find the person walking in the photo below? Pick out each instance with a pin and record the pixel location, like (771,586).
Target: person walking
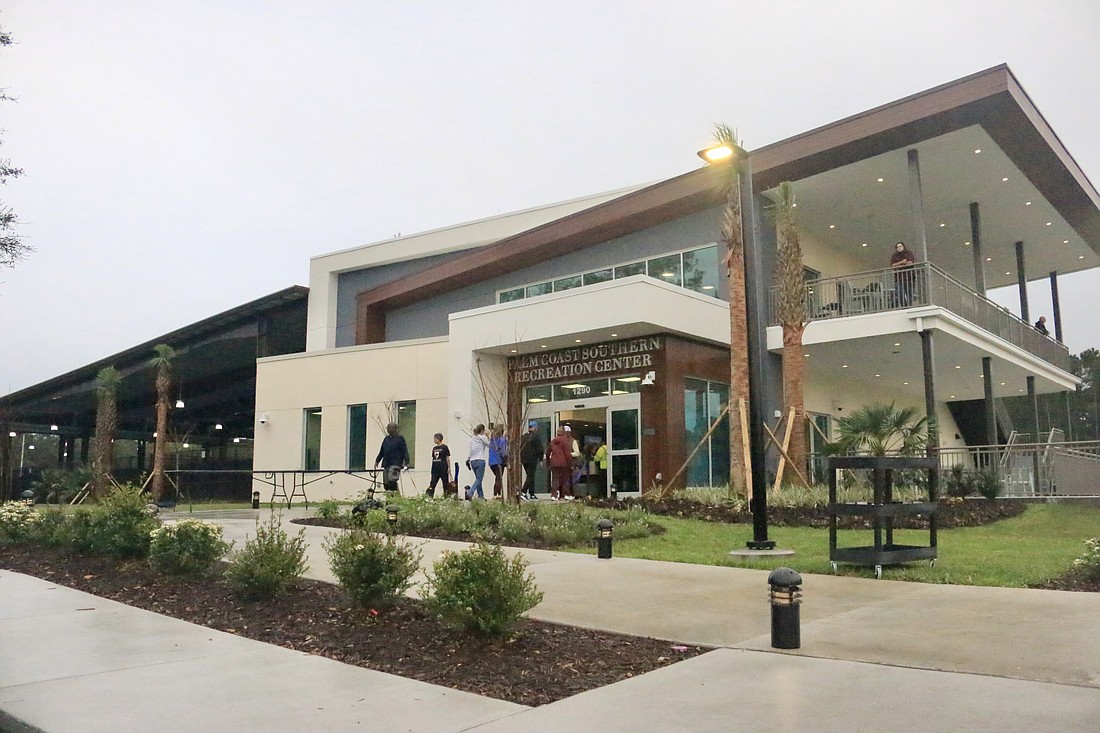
(477,457)
(531,452)
(559,457)
(393,456)
(441,459)
(599,460)
(498,460)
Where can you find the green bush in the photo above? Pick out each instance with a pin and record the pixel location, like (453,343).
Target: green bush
(59,485)
(373,570)
(52,528)
(18,522)
(328,509)
(988,483)
(186,547)
(481,591)
(269,564)
(1089,562)
(119,527)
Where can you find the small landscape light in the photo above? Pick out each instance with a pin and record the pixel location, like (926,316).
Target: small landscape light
(255,499)
(785,597)
(391,516)
(603,538)
(28,497)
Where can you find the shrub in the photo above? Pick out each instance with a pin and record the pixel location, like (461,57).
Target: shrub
(328,509)
(58,485)
(120,527)
(958,482)
(17,522)
(52,528)
(269,564)
(988,483)
(480,590)
(374,571)
(186,547)
(1089,562)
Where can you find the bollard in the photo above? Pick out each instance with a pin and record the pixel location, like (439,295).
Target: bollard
(28,497)
(785,597)
(255,499)
(391,517)
(614,492)
(603,539)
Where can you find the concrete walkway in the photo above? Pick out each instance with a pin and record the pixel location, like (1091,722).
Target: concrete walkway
(875,653)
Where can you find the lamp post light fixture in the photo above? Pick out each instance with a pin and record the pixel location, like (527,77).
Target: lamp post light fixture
(391,517)
(785,597)
(756,331)
(603,539)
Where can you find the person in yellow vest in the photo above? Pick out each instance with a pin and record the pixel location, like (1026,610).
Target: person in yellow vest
(599,480)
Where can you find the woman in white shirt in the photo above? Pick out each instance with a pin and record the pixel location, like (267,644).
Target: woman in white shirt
(479,454)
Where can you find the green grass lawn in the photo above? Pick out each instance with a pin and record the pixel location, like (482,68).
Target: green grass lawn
(1038,545)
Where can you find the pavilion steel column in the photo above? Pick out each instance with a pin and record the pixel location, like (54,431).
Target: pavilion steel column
(916,204)
(5,461)
(1035,421)
(1021,282)
(1069,415)
(990,412)
(932,447)
(1056,304)
(976,247)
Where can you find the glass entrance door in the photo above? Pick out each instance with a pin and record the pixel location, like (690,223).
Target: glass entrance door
(625,450)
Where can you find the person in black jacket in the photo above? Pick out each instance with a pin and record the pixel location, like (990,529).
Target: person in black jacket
(441,462)
(393,455)
(531,451)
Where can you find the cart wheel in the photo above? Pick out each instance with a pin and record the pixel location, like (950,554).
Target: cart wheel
(878,572)
(833,565)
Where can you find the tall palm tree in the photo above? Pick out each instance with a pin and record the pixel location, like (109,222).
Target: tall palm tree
(162,362)
(733,238)
(106,424)
(791,306)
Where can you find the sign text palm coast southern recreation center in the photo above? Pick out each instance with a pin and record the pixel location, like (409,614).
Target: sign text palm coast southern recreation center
(579,361)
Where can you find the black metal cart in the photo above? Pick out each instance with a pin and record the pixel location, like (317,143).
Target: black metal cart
(882,510)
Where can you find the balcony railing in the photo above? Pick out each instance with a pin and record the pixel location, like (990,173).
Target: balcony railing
(878,291)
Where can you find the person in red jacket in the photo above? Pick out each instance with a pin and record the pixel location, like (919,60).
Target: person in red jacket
(559,457)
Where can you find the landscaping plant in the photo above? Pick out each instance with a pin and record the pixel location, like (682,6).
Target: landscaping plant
(1089,563)
(481,591)
(373,570)
(119,527)
(187,547)
(18,522)
(268,564)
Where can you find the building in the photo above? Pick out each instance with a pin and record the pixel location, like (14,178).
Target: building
(610,314)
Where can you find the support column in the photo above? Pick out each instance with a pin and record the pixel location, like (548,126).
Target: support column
(916,202)
(1021,282)
(928,356)
(1069,415)
(990,412)
(1056,305)
(1035,421)
(5,461)
(976,247)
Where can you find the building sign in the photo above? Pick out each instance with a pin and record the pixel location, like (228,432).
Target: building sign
(585,361)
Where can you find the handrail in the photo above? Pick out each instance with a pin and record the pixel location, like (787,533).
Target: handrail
(887,289)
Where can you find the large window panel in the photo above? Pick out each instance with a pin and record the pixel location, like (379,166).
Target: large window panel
(634,268)
(357,437)
(701,270)
(718,396)
(666,269)
(567,283)
(311,445)
(695,427)
(406,426)
(540,289)
(508,296)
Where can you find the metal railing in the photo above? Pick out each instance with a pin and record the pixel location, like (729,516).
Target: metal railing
(878,291)
(1028,469)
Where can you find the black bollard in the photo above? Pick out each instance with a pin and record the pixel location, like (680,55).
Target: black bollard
(785,597)
(391,518)
(255,499)
(603,539)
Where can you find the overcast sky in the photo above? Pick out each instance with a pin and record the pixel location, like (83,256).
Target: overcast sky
(184,157)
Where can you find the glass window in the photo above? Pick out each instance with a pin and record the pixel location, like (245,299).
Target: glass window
(538,394)
(311,449)
(634,268)
(406,426)
(666,269)
(540,289)
(624,430)
(357,437)
(599,276)
(509,295)
(718,396)
(567,283)
(626,385)
(695,427)
(701,270)
(579,390)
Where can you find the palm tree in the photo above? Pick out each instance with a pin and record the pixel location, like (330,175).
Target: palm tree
(880,430)
(733,238)
(791,306)
(162,362)
(106,423)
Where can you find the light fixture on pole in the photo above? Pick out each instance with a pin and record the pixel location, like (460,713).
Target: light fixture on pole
(756,329)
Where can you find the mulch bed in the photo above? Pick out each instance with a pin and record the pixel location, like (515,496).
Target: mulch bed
(542,663)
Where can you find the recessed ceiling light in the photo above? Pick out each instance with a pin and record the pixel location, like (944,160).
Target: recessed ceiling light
(793,205)
(1008,273)
(1004,179)
(1002,384)
(576,341)
(897,343)
(905,383)
(614,334)
(942,224)
(1048,223)
(881,180)
(966,243)
(977,151)
(878,375)
(806,355)
(832,226)
(863,245)
(1027,203)
(843,366)
(1065,241)
(543,346)
(988,259)
(513,351)
(958,366)
(1080,257)
(952,396)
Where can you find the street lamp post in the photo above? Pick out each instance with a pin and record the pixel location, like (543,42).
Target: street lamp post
(756,329)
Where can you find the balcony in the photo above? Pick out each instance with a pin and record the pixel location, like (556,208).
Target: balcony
(879,291)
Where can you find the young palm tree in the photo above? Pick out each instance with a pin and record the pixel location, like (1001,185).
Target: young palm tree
(106,424)
(733,238)
(162,362)
(881,430)
(792,294)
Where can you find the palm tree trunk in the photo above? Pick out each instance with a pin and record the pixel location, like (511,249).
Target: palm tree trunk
(739,337)
(794,375)
(160,444)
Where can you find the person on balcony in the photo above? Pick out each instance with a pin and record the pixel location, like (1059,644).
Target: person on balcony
(904,276)
(1041,326)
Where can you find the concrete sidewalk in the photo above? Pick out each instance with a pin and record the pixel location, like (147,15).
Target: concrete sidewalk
(907,656)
